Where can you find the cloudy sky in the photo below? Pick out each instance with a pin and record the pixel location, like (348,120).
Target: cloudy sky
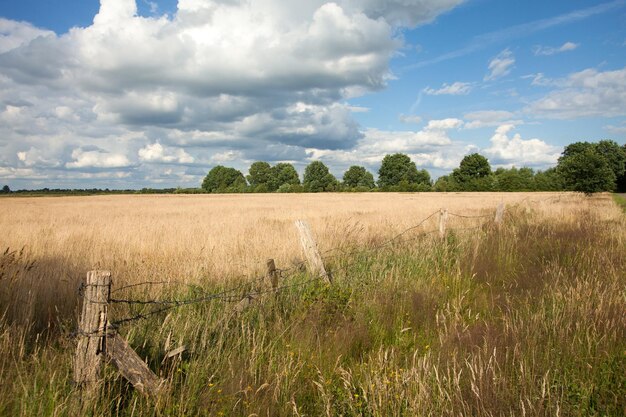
(134,93)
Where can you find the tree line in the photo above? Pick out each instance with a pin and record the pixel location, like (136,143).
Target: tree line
(583,167)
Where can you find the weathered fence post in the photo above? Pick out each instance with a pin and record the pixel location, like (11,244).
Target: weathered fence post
(92,329)
(316,265)
(131,367)
(272,273)
(499,214)
(443,219)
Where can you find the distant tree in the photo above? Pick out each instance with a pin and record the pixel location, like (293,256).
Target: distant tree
(6,189)
(574,149)
(357,176)
(259,176)
(587,171)
(614,154)
(398,170)
(221,179)
(548,180)
(283,174)
(621,180)
(317,178)
(473,174)
(445,183)
(514,179)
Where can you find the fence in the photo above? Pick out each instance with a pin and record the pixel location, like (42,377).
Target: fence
(97,333)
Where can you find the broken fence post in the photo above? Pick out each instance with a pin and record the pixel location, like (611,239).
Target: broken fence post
(316,265)
(92,329)
(131,367)
(443,220)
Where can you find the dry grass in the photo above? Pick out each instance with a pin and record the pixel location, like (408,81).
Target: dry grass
(523,320)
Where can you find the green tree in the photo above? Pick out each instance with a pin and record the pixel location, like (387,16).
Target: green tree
(317,178)
(283,174)
(259,176)
(357,176)
(445,183)
(514,179)
(587,171)
(614,154)
(473,173)
(6,189)
(221,179)
(398,170)
(548,180)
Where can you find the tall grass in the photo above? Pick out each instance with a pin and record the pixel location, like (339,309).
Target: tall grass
(525,319)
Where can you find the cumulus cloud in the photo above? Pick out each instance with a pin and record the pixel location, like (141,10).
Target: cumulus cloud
(500,66)
(508,151)
(430,147)
(454,89)
(214,77)
(15,34)
(548,50)
(96,159)
(586,93)
(157,153)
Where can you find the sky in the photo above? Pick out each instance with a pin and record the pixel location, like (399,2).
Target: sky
(132,94)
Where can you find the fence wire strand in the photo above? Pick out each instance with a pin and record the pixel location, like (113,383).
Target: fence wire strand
(229,295)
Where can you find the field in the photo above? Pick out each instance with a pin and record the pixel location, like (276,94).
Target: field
(522,319)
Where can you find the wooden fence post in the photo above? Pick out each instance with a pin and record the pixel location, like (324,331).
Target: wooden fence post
(131,367)
(499,214)
(443,220)
(316,265)
(92,329)
(272,273)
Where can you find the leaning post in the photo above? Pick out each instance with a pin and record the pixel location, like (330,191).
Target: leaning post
(499,214)
(316,265)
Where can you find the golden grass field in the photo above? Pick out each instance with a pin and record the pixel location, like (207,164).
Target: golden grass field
(522,319)
(194,237)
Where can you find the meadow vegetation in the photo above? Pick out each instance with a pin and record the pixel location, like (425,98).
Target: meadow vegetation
(522,319)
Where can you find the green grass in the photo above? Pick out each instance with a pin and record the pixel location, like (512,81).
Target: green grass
(523,320)
(620,200)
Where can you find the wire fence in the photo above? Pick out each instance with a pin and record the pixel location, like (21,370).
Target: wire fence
(249,288)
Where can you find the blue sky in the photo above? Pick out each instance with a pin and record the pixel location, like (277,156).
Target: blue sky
(127,94)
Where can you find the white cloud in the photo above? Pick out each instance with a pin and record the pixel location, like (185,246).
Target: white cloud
(488,118)
(261,79)
(97,159)
(539,80)
(500,66)
(617,130)
(15,34)
(408,118)
(585,94)
(455,89)
(548,50)
(508,151)
(430,147)
(157,153)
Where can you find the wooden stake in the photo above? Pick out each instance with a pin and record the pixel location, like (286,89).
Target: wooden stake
(316,265)
(272,273)
(91,329)
(499,214)
(443,220)
(131,367)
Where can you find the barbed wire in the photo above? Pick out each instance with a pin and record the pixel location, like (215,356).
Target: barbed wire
(228,295)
